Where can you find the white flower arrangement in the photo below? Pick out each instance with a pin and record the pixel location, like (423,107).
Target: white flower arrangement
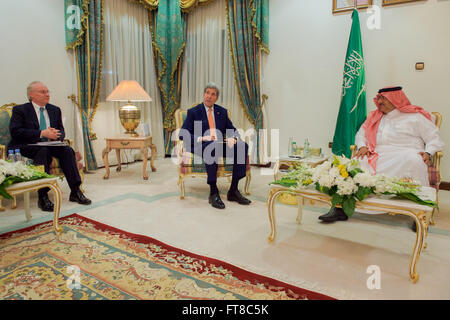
(14,172)
(345,182)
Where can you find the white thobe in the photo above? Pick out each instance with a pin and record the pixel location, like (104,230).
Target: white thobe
(400,138)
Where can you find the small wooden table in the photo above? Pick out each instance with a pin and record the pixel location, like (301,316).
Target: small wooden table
(371,205)
(127,142)
(25,188)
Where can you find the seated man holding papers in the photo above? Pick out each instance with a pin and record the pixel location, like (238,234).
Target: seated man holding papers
(38,121)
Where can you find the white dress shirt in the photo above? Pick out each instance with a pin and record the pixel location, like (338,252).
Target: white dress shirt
(38,114)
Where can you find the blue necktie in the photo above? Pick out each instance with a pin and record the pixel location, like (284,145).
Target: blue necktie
(42,123)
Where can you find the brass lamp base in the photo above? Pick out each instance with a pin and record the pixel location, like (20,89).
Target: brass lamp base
(130,116)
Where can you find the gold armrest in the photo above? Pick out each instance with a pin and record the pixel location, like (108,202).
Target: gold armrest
(436,160)
(2,152)
(353,149)
(179,149)
(69,141)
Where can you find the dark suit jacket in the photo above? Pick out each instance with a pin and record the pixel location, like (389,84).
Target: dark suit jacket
(24,124)
(198,113)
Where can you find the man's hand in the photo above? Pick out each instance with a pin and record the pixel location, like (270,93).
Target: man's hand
(230,142)
(362,152)
(51,133)
(206,138)
(426,158)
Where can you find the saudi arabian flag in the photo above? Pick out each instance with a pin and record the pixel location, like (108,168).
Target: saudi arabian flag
(352,110)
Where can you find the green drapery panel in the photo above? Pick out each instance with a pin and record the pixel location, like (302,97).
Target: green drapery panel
(168,33)
(88,49)
(72,16)
(168,44)
(248,34)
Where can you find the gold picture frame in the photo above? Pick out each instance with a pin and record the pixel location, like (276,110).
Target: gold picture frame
(394,2)
(348,5)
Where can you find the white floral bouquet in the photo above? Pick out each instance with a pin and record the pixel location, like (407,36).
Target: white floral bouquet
(14,172)
(345,182)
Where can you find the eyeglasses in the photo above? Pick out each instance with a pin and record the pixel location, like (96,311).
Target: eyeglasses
(42,91)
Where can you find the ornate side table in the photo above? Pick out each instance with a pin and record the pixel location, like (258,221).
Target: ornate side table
(127,142)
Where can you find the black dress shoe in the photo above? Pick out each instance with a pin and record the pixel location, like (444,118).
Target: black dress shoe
(216,202)
(79,197)
(335,214)
(238,197)
(45,204)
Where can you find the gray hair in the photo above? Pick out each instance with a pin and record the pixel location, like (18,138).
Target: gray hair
(30,88)
(212,85)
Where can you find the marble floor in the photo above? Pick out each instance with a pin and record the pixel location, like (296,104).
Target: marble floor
(329,258)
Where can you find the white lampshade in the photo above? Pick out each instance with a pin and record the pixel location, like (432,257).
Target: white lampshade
(128,90)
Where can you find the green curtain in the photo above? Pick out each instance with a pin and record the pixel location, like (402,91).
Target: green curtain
(248,33)
(87,44)
(168,44)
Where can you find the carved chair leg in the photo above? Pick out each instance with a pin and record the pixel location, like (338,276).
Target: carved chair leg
(248,178)
(432,222)
(82,179)
(14,202)
(181,184)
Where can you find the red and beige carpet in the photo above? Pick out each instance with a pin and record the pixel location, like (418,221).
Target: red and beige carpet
(92,261)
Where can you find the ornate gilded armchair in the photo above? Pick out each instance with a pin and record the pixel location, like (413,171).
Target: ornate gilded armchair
(5,137)
(187,167)
(434,170)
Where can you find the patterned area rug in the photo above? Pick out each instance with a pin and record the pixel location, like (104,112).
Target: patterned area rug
(90,260)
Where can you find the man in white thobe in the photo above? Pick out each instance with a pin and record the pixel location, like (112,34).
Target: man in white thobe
(397,140)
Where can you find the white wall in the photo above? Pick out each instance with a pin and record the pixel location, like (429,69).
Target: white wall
(303,73)
(33,48)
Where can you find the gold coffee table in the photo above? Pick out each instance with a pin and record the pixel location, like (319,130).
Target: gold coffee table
(371,205)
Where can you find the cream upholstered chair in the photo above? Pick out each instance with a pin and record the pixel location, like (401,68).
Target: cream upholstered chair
(5,138)
(188,167)
(434,170)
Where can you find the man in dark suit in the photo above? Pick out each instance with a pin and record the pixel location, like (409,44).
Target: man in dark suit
(38,121)
(203,133)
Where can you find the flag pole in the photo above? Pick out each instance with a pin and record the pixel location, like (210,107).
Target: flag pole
(355,4)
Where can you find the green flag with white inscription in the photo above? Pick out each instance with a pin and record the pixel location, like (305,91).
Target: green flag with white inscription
(352,110)
(73,14)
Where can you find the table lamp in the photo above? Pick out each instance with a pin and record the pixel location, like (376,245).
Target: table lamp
(130,115)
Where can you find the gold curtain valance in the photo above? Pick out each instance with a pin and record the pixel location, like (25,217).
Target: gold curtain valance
(189,5)
(185,5)
(149,4)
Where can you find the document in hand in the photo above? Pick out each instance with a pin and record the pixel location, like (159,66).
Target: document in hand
(50,144)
